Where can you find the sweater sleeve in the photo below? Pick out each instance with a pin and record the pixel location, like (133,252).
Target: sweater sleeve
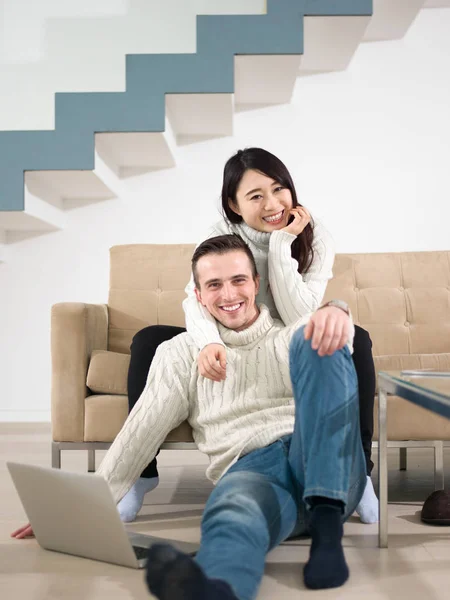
(199,323)
(289,331)
(163,405)
(295,294)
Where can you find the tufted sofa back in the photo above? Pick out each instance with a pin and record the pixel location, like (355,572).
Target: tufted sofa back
(146,287)
(402,299)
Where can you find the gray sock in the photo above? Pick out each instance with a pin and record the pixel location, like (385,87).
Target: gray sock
(132,502)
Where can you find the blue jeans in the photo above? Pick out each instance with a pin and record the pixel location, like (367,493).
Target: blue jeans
(263,498)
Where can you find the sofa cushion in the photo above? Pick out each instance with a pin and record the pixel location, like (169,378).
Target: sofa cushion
(107,373)
(182,433)
(105,414)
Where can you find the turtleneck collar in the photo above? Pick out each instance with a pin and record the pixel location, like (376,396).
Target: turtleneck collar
(259,238)
(252,334)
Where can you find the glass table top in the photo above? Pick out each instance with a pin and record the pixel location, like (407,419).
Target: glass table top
(430,389)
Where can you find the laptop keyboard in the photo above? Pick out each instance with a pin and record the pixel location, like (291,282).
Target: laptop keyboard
(140,552)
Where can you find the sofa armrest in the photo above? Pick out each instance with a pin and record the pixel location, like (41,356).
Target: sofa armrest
(76,330)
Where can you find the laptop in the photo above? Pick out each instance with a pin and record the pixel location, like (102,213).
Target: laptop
(76,514)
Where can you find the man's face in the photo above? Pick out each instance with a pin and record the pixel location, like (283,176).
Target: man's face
(227,288)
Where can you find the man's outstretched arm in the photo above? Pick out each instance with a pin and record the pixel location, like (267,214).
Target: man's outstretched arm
(163,405)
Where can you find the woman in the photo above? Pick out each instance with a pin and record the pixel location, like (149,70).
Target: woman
(294,256)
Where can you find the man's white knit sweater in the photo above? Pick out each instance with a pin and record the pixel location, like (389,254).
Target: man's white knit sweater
(252,408)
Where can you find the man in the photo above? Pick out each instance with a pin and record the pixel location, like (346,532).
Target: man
(281,432)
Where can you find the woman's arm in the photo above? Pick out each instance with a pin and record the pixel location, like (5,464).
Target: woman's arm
(296,295)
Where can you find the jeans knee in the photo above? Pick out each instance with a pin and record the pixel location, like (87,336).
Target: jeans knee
(242,494)
(302,357)
(300,346)
(242,483)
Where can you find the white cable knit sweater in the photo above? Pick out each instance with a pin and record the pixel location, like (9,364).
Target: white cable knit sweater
(252,408)
(287,294)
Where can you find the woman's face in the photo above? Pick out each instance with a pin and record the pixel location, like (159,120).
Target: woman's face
(262,202)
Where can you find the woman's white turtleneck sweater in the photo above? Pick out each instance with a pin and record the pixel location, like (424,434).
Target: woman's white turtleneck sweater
(252,408)
(287,294)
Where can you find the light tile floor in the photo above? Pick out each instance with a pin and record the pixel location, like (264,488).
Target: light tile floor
(415,566)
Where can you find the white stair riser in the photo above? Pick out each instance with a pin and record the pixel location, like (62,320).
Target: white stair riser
(265,80)
(37,218)
(331,42)
(391,20)
(200,116)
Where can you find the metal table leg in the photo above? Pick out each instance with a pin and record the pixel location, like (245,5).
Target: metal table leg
(382,467)
(438,465)
(56,456)
(91,460)
(403,459)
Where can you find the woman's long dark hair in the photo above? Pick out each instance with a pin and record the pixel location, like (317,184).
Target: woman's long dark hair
(268,164)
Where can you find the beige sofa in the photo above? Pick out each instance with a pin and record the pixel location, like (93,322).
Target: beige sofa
(402,299)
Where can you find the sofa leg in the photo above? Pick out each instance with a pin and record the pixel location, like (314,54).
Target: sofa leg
(438,465)
(403,459)
(91,461)
(56,456)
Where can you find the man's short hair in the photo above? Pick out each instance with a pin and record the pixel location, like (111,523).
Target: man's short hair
(222,244)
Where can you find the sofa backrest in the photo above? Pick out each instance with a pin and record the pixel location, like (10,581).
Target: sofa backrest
(402,299)
(146,287)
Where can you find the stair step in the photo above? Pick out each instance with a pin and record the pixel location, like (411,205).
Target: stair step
(66,190)
(391,20)
(129,154)
(37,218)
(331,42)
(264,80)
(198,117)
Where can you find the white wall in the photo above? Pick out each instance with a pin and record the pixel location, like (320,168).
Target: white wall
(368,149)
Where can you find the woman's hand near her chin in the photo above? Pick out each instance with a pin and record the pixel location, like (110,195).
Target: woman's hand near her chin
(301,220)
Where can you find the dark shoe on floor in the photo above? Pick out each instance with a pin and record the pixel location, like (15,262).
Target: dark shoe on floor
(436,508)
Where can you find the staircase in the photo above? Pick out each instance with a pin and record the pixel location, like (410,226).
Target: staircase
(96,139)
